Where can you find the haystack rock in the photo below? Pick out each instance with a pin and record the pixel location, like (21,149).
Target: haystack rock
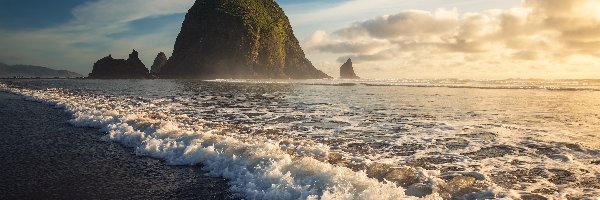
(159,62)
(238,39)
(110,68)
(347,71)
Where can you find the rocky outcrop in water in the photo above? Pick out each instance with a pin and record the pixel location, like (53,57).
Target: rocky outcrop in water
(110,68)
(159,62)
(238,39)
(347,71)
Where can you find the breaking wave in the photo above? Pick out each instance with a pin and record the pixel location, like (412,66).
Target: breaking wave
(256,170)
(354,154)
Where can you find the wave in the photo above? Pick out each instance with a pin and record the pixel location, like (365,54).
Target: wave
(533,84)
(263,166)
(257,169)
(498,87)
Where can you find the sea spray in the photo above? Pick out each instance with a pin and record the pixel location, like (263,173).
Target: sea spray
(259,170)
(433,142)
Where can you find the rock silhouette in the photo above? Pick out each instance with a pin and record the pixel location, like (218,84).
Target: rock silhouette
(30,71)
(347,71)
(238,39)
(159,62)
(110,68)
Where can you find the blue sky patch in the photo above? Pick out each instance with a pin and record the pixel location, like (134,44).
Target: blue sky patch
(146,25)
(35,14)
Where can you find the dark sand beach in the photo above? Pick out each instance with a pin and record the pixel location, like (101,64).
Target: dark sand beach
(43,157)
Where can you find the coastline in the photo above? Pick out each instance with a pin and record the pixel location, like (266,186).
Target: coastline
(481,152)
(44,157)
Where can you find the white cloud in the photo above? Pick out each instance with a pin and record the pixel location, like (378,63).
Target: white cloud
(412,23)
(99,14)
(538,35)
(93,23)
(547,38)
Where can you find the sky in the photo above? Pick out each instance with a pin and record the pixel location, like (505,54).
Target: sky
(466,39)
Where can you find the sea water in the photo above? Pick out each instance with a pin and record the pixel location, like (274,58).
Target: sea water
(354,139)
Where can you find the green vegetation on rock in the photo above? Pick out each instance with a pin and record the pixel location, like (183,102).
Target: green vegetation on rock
(238,39)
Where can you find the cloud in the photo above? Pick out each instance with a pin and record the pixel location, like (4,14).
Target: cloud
(319,41)
(115,13)
(543,33)
(527,55)
(413,23)
(86,37)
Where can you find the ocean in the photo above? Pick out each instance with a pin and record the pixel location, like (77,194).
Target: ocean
(352,139)
(43,157)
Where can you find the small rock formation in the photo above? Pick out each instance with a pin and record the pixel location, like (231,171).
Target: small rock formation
(159,62)
(238,39)
(110,68)
(347,71)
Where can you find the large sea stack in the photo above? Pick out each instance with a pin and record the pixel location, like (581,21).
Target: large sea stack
(110,68)
(238,39)
(347,71)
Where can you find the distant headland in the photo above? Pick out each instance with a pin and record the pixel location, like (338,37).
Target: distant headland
(30,71)
(225,39)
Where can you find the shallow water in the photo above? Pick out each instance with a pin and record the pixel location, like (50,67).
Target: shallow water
(43,157)
(369,139)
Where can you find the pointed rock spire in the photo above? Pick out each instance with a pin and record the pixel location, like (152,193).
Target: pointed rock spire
(159,62)
(347,71)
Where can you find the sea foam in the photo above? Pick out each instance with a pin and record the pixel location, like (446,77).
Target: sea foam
(256,170)
(277,144)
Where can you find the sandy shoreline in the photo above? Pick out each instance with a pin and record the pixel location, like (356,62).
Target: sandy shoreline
(43,157)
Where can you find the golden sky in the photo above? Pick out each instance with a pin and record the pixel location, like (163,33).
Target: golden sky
(470,39)
(533,39)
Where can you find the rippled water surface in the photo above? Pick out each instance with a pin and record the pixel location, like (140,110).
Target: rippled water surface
(441,139)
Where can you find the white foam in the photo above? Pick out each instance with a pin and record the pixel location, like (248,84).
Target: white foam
(258,170)
(291,163)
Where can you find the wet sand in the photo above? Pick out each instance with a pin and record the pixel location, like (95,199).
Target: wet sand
(43,157)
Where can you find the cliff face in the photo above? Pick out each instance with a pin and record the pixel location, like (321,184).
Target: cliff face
(110,68)
(238,39)
(347,71)
(159,62)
